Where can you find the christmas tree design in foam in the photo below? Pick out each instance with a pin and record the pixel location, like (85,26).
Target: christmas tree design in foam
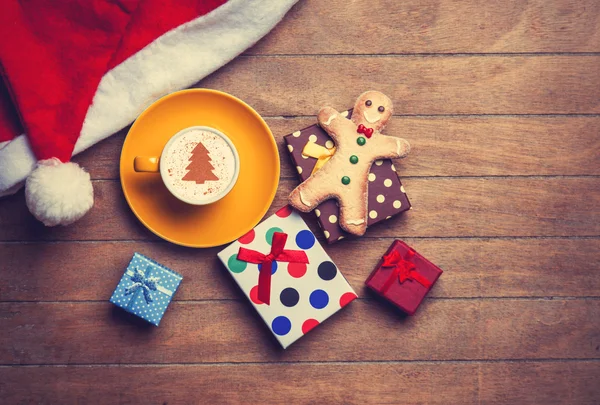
(200,167)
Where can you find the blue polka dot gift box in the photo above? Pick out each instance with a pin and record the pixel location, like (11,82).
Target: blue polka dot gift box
(287,276)
(146,288)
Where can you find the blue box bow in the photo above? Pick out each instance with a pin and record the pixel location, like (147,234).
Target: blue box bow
(141,282)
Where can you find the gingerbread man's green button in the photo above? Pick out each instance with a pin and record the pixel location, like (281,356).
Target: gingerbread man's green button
(354,159)
(346,180)
(361,140)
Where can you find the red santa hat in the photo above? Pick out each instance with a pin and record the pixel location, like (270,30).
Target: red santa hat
(75,72)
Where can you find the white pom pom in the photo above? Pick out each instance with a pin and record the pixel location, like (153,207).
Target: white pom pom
(58,193)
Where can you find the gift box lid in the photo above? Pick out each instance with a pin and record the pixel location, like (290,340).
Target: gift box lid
(302,295)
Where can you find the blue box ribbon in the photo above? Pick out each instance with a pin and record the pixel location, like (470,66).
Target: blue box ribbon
(142,282)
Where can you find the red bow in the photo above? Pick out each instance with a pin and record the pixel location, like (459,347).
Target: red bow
(403,269)
(364,130)
(266,262)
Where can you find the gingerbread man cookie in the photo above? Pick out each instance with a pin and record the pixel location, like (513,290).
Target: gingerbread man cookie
(359,143)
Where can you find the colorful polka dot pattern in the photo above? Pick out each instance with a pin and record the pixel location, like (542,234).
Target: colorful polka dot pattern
(319,299)
(302,295)
(270,232)
(274,267)
(327,270)
(308,325)
(297,270)
(247,238)
(281,325)
(289,297)
(135,303)
(305,239)
(283,212)
(235,265)
(347,299)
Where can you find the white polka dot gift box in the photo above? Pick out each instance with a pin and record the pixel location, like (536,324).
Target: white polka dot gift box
(304,286)
(146,288)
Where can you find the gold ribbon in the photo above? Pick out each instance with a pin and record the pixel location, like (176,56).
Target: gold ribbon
(321,153)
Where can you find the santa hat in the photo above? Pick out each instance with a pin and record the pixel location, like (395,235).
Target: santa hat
(76,72)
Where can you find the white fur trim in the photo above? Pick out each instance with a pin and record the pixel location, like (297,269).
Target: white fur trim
(16,162)
(199,47)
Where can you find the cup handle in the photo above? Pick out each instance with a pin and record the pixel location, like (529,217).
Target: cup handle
(146,164)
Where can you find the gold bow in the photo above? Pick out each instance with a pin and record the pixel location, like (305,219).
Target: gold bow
(321,153)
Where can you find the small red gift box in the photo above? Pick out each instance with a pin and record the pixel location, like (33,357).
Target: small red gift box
(403,277)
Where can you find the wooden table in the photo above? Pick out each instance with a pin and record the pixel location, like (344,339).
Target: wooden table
(500,101)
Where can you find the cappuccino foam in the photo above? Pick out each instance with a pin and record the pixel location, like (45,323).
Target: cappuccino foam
(197,173)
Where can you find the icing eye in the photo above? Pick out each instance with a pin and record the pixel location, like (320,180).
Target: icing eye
(381,108)
(368,103)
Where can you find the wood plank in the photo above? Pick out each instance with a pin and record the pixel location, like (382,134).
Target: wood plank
(109,218)
(403,383)
(419,85)
(231,331)
(541,383)
(446,146)
(443,207)
(431,26)
(481,337)
(472,268)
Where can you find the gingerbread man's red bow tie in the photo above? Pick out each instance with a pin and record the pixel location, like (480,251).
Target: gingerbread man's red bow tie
(403,269)
(364,130)
(266,261)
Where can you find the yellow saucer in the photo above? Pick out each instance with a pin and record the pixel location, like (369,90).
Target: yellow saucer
(220,222)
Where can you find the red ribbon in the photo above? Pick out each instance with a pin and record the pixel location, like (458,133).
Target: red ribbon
(364,130)
(266,261)
(403,269)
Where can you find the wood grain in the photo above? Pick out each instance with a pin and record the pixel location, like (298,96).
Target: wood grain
(499,101)
(472,268)
(403,383)
(442,207)
(433,26)
(419,85)
(449,146)
(231,331)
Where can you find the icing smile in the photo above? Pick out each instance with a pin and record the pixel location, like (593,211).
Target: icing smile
(376,117)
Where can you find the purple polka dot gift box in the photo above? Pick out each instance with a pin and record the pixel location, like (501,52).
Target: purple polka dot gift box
(311,147)
(303,287)
(146,288)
